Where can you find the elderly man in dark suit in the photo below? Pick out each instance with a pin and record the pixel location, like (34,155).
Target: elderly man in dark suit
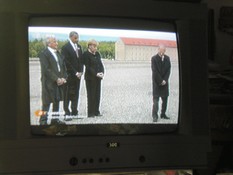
(53,78)
(161,68)
(72,53)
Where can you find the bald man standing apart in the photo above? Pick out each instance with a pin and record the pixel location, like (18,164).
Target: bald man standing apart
(161,68)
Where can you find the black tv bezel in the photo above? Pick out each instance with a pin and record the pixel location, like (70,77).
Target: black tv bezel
(177,18)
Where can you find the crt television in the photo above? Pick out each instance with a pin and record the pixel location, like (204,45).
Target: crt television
(125,138)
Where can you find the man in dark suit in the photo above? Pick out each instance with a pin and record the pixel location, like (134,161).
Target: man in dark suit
(161,68)
(72,53)
(94,73)
(53,78)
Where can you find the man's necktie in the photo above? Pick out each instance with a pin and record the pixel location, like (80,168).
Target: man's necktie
(57,60)
(76,50)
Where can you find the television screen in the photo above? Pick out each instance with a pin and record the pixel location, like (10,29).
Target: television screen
(128,98)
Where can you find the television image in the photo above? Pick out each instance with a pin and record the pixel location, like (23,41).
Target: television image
(125,138)
(127,96)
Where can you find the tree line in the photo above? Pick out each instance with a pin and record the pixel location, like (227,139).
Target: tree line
(106,48)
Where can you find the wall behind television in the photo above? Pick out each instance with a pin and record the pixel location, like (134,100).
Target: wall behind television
(224,41)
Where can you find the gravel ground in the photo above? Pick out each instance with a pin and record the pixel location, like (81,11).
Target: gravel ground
(126,94)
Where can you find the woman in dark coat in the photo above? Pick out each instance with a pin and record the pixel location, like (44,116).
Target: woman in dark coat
(94,73)
(53,77)
(161,68)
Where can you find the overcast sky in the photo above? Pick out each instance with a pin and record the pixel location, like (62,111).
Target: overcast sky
(106,32)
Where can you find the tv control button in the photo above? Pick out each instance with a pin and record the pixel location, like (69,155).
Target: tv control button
(142,159)
(73,161)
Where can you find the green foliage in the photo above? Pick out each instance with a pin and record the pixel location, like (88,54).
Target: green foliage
(83,44)
(35,47)
(106,48)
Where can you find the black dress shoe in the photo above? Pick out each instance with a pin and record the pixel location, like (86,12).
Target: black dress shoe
(60,122)
(155,119)
(68,119)
(57,122)
(43,120)
(67,113)
(67,116)
(163,116)
(74,113)
(98,115)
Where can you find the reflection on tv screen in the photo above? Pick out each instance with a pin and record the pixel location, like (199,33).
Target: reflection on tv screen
(86,76)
